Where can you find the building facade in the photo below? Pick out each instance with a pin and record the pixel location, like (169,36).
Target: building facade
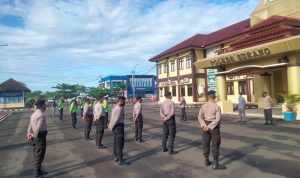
(12,94)
(259,54)
(142,85)
(265,58)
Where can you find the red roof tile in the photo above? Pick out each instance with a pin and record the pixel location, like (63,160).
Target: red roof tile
(202,41)
(271,29)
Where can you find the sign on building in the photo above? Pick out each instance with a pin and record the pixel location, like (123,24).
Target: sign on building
(211,79)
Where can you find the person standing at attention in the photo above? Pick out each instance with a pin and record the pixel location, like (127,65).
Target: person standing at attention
(138,119)
(61,106)
(182,104)
(267,108)
(167,114)
(88,118)
(73,111)
(54,108)
(209,118)
(36,133)
(99,119)
(241,108)
(116,125)
(106,110)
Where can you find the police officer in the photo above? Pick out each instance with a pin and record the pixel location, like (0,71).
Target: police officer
(88,118)
(138,119)
(82,106)
(117,126)
(167,115)
(99,119)
(106,109)
(73,111)
(61,106)
(54,108)
(182,105)
(209,118)
(36,133)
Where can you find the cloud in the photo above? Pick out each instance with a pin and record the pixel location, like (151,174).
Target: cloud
(101,37)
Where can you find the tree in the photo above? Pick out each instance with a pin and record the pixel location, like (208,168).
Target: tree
(34,95)
(96,92)
(69,91)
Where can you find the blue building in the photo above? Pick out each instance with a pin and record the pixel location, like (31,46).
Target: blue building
(143,85)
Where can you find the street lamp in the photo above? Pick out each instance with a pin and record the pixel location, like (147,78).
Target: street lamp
(133,81)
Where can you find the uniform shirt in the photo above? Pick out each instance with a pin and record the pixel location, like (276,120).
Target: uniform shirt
(167,109)
(137,110)
(210,111)
(182,102)
(37,123)
(117,116)
(87,110)
(61,105)
(105,105)
(242,102)
(267,102)
(73,108)
(98,111)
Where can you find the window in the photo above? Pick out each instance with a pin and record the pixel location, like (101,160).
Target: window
(174,90)
(172,66)
(182,90)
(10,100)
(190,90)
(159,68)
(242,87)
(230,88)
(165,68)
(181,64)
(189,62)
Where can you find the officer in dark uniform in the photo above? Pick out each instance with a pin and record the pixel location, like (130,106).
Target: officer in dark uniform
(167,114)
(209,118)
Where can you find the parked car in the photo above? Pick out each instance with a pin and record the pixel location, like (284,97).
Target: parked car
(152,98)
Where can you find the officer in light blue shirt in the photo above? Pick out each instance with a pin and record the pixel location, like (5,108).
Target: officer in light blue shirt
(241,107)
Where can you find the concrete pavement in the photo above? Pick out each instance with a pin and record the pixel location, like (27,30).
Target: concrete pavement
(250,150)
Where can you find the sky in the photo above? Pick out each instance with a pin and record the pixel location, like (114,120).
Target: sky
(45,42)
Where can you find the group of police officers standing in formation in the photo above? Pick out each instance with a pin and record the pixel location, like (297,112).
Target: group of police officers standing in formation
(97,112)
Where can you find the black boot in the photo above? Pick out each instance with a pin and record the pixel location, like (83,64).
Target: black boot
(217,166)
(207,162)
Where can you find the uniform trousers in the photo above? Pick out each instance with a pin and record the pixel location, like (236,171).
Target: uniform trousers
(268,115)
(88,126)
(106,119)
(212,137)
(74,119)
(139,128)
(99,130)
(242,114)
(39,150)
(61,113)
(169,132)
(183,114)
(119,141)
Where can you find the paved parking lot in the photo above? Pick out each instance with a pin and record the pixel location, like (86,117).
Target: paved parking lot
(250,150)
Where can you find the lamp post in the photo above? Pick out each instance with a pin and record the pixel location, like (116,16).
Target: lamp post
(133,81)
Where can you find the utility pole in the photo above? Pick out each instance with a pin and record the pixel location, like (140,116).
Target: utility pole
(133,81)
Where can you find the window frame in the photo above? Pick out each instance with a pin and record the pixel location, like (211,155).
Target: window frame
(230,84)
(189,90)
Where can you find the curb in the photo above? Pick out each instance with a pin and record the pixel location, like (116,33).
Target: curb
(5,117)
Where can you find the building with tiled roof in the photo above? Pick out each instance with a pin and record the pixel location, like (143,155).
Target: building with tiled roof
(12,94)
(260,54)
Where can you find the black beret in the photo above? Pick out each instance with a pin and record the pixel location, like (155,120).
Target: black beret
(211,92)
(40,102)
(122,98)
